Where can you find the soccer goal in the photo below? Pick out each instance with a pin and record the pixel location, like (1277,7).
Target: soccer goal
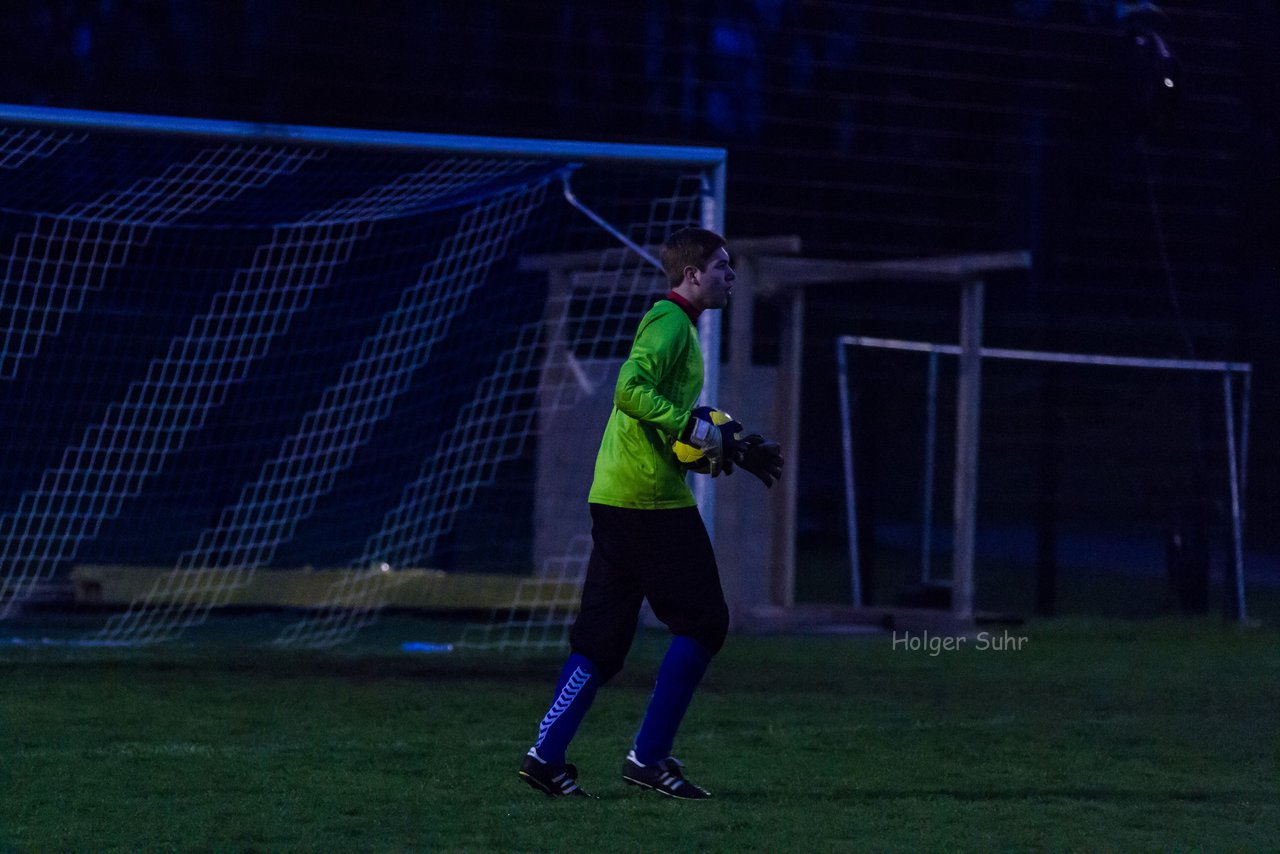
(319,370)
(1104,470)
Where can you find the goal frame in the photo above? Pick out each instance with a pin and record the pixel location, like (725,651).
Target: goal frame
(709,164)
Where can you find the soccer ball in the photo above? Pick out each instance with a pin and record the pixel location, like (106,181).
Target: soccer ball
(688,454)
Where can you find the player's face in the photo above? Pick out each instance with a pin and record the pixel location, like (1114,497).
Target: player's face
(715,283)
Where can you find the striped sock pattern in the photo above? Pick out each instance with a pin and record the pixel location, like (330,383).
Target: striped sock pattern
(575,692)
(567,695)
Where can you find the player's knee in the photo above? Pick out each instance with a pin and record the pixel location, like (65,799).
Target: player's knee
(607,669)
(606,659)
(712,629)
(605,643)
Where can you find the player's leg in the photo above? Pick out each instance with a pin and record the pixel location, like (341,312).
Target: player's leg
(600,639)
(682,582)
(613,592)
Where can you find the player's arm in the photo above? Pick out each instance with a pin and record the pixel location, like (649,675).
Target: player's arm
(653,355)
(636,393)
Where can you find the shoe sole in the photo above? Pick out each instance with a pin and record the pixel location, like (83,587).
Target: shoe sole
(552,793)
(533,781)
(637,783)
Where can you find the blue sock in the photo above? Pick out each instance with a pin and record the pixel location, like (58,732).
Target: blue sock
(575,690)
(679,675)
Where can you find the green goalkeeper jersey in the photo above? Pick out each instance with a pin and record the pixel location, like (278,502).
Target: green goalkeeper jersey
(657,386)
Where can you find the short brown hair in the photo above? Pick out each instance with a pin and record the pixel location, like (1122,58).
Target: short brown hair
(688,247)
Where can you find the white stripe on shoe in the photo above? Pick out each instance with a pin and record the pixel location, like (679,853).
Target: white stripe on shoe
(664,777)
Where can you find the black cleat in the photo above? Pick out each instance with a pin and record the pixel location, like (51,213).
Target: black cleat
(556,780)
(664,777)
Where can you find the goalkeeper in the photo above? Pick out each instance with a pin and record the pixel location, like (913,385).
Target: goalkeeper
(648,537)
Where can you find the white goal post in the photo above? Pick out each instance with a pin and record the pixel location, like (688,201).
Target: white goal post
(1236,427)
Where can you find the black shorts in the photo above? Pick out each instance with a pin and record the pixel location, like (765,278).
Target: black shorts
(662,555)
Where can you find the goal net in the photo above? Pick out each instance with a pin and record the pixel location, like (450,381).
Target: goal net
(1106,485)
(326,372)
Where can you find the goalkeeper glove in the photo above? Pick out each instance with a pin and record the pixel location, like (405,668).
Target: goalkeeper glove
(712,433)
(760,456)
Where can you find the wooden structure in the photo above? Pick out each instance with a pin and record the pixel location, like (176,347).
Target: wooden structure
(756,550)
(794,274)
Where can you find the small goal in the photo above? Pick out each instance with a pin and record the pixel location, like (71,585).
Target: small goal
(1106,463)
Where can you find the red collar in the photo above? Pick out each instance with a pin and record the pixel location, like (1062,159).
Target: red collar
(686,305)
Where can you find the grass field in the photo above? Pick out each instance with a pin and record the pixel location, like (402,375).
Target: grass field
(1094,735)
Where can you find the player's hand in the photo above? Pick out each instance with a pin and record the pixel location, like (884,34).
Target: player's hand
(760,456)
(716,441)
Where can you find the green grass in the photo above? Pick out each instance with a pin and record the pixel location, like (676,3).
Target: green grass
(1104,735)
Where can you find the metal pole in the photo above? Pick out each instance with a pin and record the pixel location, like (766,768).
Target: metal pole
(783,544)
(967,423)
(850,504)
(712,217)
(1244,442)
(1243,492)
(930,440)
(1237,532)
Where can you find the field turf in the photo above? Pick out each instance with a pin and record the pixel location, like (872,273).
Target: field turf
(1094,735)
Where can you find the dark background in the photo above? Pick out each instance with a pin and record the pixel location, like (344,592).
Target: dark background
(871,130)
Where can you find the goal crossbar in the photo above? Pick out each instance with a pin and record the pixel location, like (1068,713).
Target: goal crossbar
(686,155)
(1045,356)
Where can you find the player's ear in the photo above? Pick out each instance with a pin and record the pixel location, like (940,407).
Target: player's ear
(691,272)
